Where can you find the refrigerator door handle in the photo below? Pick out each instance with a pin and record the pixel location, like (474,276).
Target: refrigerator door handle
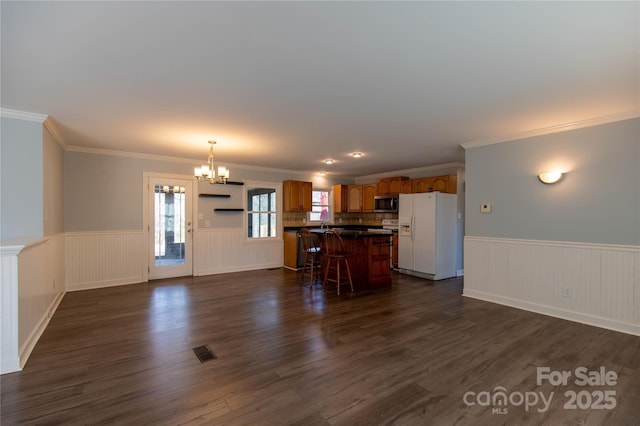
(413,225)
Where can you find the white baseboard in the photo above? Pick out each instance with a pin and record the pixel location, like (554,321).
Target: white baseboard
(35,335)
(105,284)
(460,273)
(204,272)
(556,312)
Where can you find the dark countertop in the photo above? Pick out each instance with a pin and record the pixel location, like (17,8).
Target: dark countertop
(342,227)
(352,233)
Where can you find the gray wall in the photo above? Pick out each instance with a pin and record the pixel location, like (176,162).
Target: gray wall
(104,192)
(598,201)
(53,196)
(21,179)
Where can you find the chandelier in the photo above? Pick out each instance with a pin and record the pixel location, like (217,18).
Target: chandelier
(207,171)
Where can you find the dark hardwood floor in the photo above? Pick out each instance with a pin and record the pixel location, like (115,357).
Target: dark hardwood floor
(290,355)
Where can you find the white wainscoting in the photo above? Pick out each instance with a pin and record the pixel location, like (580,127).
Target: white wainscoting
(32,288)
(105,259)
(217,251)
(596,284)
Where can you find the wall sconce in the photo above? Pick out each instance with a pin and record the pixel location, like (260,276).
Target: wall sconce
(549,178)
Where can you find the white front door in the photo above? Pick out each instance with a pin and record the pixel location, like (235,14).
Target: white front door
(170,227)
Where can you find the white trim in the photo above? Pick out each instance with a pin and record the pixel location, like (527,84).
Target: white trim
(194,161)
(35,335)
(22,115)
(262,184)
(604,279)
(127,154)
(550,243)
(554,129)
(551,311)
(231,269)
(55,133)
(122,264)
(104,284)
(426,169)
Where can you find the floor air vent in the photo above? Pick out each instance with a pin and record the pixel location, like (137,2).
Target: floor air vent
(204,353)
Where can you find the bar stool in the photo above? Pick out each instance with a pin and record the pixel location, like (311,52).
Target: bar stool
(335,254)
(312,255)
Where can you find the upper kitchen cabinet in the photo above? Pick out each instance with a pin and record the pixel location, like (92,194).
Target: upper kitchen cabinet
(392,185)
(297,196)
(355,198)
(340,198)
(405,186)
(446,184)
(368,195)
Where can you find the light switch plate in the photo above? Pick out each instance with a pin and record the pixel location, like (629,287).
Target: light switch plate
(485,208)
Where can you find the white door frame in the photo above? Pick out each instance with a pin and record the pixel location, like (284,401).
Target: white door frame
(146,176)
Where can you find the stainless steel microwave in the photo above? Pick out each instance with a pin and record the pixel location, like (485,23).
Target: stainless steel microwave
(385,203)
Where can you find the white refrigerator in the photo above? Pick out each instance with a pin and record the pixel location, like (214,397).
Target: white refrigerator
(427,225)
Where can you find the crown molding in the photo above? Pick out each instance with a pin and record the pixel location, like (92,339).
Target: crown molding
(555,129)
(128,154)
(55,133)
(22,115)
(114,153)
(425,169)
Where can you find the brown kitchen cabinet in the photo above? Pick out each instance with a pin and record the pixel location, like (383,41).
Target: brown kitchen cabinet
(297,196)
(445,184)
(368,197)
(394,251)
(391,185)
(405,186)
(291,241)
(340,198)
(355,198)
(421,185)
(369,264)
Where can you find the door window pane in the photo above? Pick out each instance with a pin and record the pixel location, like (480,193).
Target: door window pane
(169,231)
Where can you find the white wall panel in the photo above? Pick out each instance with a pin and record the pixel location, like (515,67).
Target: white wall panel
(616,289)
(577,269)
(32,287)
(597,284)
(104,259)
(227,250)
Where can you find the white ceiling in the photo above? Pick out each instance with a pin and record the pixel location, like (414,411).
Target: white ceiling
(288,84)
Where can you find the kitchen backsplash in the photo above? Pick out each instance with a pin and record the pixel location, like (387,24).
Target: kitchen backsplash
(371,219)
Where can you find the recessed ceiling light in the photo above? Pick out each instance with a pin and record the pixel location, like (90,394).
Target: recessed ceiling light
(323,173)
(356,154)
(329,161)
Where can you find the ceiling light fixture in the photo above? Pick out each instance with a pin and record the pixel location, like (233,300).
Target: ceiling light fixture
(357,154)
(549,178)
(207,171)
(329,161)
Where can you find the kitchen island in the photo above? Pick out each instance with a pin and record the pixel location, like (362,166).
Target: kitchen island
(370,264)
